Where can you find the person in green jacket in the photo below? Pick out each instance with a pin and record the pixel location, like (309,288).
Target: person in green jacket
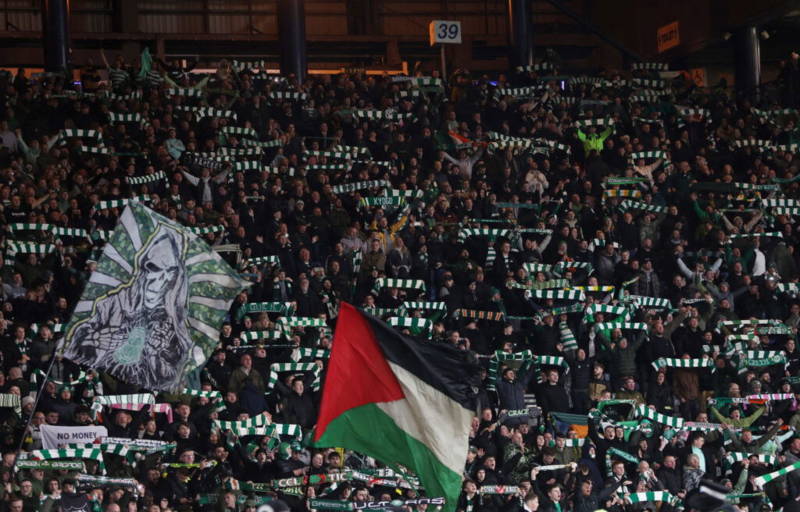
(593,140)
(736,417)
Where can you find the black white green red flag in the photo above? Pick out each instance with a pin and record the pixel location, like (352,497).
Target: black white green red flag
(403,401)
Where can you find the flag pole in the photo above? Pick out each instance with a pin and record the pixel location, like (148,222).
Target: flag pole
(38,397)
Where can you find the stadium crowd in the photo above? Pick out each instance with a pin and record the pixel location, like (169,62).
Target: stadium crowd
(617,250)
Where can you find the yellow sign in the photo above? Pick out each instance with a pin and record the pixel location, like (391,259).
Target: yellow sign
(668,37)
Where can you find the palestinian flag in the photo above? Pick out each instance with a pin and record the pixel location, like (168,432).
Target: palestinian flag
(402,401)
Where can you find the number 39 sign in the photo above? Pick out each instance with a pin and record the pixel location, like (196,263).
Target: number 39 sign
(444,32)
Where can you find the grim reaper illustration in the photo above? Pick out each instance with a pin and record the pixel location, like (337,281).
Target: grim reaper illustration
(138,332)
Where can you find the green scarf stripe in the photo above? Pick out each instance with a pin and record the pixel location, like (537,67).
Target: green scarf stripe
(559,294)
(327,154)
(255,421)
(641,497)
(424,305)
(186,92)
(387,282)
(240,130)
(492,233)
(119,203)
(247,165)
(650,414)
(94,150)
(541,285)
(262,260)
(568,340)
(534,268)
(291,96)
(765,479)
(211,395)
(301,321)
(252,151)
(79,134)
(541,66)
(479,315)
(380,115)
(205,230)
(687,111)
(621,192)
(277,368)
(8,400)
(250,336)
(329,167)
(414,324)
(627,204)
(647,155)
(682,363)
(649,66)
(734,457)
(643,301)
(352,187)
(381,312)
(586,123)
(64,453)
(29,247)
(314,353)
(277,143)
(382,201)
(150,178)
(121,117)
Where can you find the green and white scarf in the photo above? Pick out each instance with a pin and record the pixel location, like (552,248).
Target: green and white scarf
(765,479)
(670,362)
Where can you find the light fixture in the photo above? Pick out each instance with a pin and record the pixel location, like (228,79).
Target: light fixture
(726,36)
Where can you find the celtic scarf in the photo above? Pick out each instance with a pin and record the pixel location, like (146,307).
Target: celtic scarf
(651,414)
(567,338)
(293,367)
(765,479)
(352,187)
(682,363)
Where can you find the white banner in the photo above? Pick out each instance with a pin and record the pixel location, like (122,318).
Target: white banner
(56,437)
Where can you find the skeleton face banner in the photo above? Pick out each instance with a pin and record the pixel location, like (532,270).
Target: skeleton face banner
(152,309)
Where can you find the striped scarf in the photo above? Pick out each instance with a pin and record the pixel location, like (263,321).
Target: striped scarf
(559,294)
(277,368)
(567,338)
(587,123)
(682,363)
(479,315)
(65,453)
(651,414)
(765,479)
(262,260)
(387,282)
(251,336)
(416,325)
(149,178)
(12,401)
(352,187)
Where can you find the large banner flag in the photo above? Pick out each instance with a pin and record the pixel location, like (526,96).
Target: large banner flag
(402,401)
(152,309)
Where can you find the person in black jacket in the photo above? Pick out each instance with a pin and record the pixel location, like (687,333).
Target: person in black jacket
(581,372)
(589,500)
(298,405)
(511,390)
(552,396)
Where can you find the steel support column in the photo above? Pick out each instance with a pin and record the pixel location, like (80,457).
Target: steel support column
(292,33)
(747,58)
(55,32)
(520,33)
